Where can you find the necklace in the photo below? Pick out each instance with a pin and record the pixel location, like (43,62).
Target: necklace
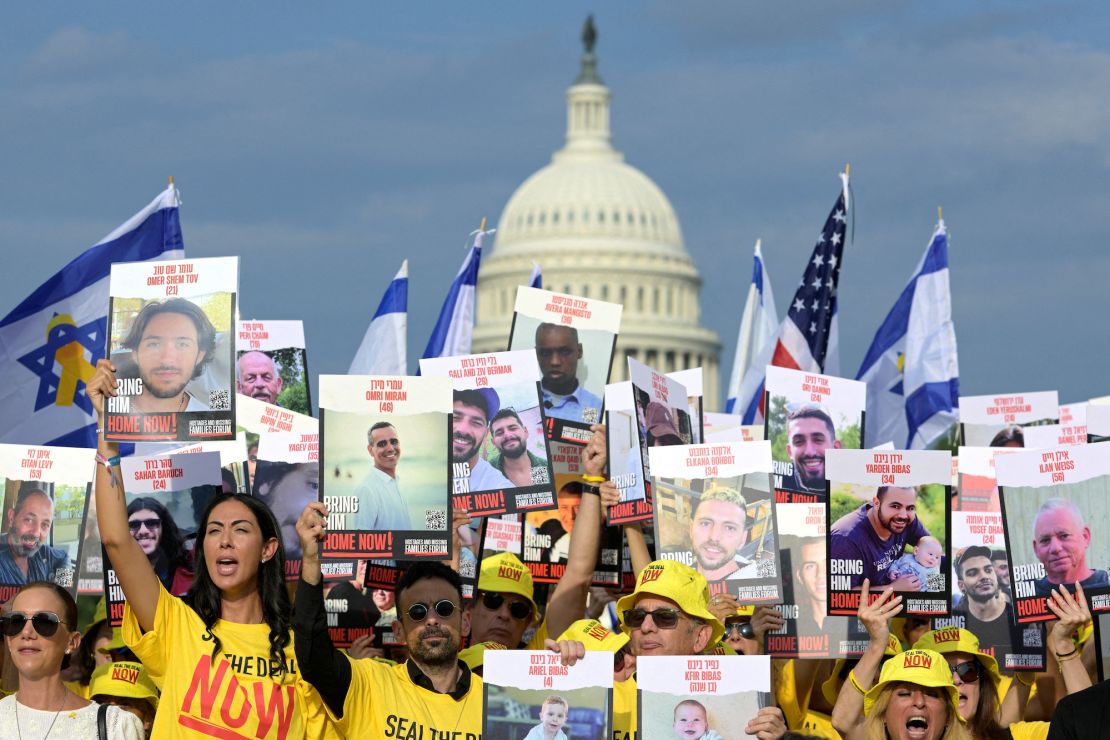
(65,697)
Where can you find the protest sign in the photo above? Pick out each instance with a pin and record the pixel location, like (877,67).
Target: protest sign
(499,452)
(574,340)
(172,341)
(807,415)
(272,364)
(680,696)
(729,428)
(691,380)
(547,533)
(350,611)
(530,694)
(626,465)
(385,479)
(1055,506)
(46,492)
(287,479)
(889,518)
(714,511)
(165,499)
(997,420)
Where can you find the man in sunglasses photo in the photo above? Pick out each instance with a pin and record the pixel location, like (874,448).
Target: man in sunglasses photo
(381,505)
(26,556)
(564,397)
(503,607)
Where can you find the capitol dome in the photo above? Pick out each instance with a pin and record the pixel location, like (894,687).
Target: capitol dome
(600,228)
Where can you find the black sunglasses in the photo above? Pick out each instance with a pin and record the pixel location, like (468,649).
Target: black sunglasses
(968,671)
(743,629)
(665,618)
(519,610)
(444,608)
(45,623)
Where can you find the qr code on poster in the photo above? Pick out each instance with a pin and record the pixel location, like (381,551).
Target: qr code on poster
(539,476)
(765,568)
(934,582)
(589,415)
(219,400)
(435,519)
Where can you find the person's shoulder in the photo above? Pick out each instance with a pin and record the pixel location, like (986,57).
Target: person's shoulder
(1097,578)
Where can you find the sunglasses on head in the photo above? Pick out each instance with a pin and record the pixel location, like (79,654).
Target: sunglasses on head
(968,671)
(665,618)
(444,608)
(742,629)
(518,610)
(45,623)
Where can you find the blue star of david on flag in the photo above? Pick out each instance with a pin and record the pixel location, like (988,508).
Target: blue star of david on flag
(58,353)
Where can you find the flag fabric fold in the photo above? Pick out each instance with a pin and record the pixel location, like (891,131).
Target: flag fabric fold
(758,327)
(50,343)
(536,280)
(455,326)
(384,347)
(911,369)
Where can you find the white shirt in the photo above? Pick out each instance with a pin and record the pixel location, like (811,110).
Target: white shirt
(70,724)
(380,505)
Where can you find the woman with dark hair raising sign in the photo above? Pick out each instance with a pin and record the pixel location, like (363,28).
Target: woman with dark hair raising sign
(230,634)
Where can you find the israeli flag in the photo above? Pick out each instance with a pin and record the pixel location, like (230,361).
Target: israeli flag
(536,281)
(455,325)
(758,329)
(50,343)
(911,370)
(384,348)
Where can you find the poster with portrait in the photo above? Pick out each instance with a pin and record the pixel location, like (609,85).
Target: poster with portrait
(808,631)
(1055,506)
(287,479)
(714,511)
(233,460)
(626,465)
(889,515)
(272,364)
(574,340)
(547,533)
(46,492)
(500,462)
(255,418)
(166,497)
(171,336)
(531,694)
(351,612)
(999,420)
(1102,644)
(807,415)
(691,380)
(730,428)
(682,696)
(385,470)
(385,601)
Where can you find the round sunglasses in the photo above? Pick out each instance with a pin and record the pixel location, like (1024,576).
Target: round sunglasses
(45,623)
(519,610)
(444,608)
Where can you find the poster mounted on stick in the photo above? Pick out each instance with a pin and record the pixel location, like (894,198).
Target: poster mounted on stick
(272,364)
(172,340)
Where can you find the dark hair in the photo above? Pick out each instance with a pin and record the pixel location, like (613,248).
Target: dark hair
(1009,434)
(85,657)
(270,474)
(27,493)
(171,542)
(812,411)
(421,570)
(998,555)
(472,397)
(548,326)
(983,724)
(881,491)
(69,607)
(505,413)
(375,427)
(206,333)
(204,596)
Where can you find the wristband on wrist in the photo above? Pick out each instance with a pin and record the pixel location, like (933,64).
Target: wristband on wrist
(591,489)
(855,683)
(1021,676)
(1068,654)
(594,478)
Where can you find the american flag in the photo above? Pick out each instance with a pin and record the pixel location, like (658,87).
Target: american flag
(807,339)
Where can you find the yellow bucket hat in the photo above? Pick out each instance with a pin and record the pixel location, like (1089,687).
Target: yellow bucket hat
(681,584)
(475,655)
(123,678)
(595,636)
(116,643)
(957,640)
(922,667)
(504,573)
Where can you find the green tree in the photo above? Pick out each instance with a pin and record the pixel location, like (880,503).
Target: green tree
(295,398)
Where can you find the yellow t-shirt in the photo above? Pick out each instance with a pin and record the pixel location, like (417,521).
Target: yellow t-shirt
(1029,730)
(624,710)
(538,638)
(819,725)
(238,694)
(383,702)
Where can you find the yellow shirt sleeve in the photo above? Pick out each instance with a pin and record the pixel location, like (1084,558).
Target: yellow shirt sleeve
(154,648)
(538,638)
(624,710)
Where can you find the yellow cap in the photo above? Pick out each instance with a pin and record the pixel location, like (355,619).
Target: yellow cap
(475,655)
(504,573)
(123,678)
(595,636)
(957,640)
(922,667)
(116,643)
(681,584)
(830,689)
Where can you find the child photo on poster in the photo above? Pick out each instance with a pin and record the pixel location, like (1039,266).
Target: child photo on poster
(45,494)
(385,469)
(890,518)
(574,340)
(172,340)
(272,364)
(808,415)
(500,462)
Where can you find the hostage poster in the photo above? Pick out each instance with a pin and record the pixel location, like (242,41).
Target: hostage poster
(272,364)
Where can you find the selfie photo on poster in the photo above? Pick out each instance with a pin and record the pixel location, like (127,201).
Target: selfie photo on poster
(1054,508)
(574,340)
(808,415)
(272,364)
(500,461)
(171,337)
(889,517)
(385,469)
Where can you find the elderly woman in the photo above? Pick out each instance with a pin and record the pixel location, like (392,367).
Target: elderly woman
(40,633)
(914,699)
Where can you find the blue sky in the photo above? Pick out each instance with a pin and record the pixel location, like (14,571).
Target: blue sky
(324,144)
